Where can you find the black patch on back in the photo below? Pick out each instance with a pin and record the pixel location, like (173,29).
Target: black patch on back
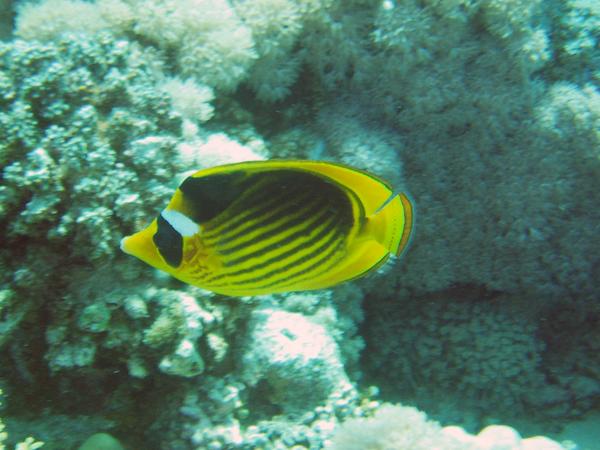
(209,196)
(216,195)
(330,195)
(169,242)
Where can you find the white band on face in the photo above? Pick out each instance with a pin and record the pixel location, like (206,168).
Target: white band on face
(182,223)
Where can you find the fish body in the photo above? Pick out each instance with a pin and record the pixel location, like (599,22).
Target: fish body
(263,227)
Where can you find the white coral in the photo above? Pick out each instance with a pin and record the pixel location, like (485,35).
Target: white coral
(190,99)
(295,356)
(48,20)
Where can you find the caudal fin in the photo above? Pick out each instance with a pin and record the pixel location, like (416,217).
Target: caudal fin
(391,224)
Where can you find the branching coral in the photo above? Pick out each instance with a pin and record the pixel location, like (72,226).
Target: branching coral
(70,183)
(64,139)
(190,99)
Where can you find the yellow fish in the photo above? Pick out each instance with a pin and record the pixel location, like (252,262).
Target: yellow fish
(262,227)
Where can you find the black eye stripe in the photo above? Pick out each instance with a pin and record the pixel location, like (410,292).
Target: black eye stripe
(169,242)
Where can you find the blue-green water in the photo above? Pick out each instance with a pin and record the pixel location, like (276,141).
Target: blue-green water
(486,112)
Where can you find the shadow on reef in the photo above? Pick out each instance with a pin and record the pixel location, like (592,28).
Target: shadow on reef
(474,357)
(107,372)
(88,400)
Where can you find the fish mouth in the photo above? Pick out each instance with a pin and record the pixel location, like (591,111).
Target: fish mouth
(122,245)
(141,246)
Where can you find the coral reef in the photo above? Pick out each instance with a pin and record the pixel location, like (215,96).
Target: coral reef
(28,444)
(397,427)
(576,24)
(6,19)
(508,352)
(461,351)
(486,111)
(296,358)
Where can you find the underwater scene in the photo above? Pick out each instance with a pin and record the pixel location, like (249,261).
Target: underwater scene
(300,224)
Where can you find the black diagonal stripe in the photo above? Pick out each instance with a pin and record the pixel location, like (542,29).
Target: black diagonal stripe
(281,257)
(293,277)
(244,214)
(299,207)
(322,255)
(324,264)
(317,249)
(320,264)
(257,196)
(289,183)
(306,216)
(279,183)
(235,223)
(294,239)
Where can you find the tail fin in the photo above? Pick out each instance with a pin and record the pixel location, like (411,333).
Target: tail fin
(391,224)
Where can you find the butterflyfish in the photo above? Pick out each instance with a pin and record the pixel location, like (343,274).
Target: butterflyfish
(263,227)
